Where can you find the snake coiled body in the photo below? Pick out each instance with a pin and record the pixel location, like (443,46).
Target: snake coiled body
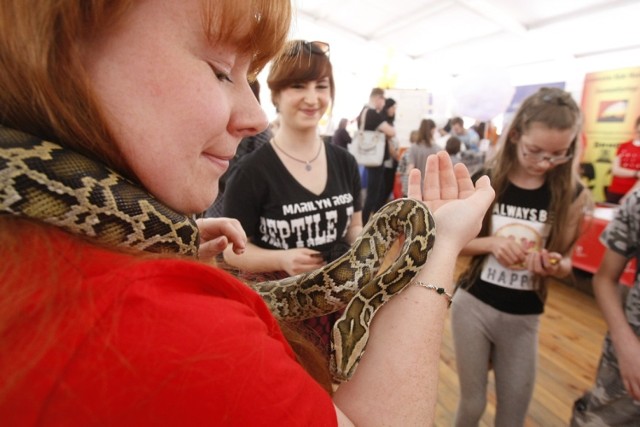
(47,182)
(352,280)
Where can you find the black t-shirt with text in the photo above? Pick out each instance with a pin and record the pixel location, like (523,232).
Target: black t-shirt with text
(520,214)
(277,212)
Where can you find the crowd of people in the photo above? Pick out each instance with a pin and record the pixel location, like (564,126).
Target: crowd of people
(118,122)
(388,180)
(501,295)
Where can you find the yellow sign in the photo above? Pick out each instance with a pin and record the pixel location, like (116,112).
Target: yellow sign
(389,76)
(610,104)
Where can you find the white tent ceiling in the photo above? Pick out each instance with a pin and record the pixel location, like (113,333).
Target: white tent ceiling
(466,52)
(457,34)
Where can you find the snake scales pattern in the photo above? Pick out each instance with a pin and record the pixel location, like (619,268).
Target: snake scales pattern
(352,279)
(45,181)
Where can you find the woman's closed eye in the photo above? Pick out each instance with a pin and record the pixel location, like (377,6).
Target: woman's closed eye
(220,75)
(324,83)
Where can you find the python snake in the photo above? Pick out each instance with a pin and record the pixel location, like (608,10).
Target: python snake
(351,280)
(45,181)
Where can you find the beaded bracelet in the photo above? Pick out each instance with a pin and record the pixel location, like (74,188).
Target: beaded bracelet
(439,290)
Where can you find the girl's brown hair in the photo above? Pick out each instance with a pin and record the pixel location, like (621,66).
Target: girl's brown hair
(425,132)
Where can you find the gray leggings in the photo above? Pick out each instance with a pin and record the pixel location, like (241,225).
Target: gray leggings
(482,334)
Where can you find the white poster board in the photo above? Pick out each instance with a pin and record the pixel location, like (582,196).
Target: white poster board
(413,106)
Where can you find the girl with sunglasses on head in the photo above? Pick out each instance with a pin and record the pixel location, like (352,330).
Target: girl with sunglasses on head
(297,198)
(117,118)
(527,236)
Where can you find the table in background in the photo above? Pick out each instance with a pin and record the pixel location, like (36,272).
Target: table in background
(588,252)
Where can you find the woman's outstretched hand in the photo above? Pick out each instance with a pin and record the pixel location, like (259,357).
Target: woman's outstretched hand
(457,205)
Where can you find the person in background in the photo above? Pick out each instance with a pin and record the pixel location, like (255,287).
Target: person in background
(527,237)
(442,133)
(480,129)
(286,237)
(424,147)
(626,168)
(452,147)
(341,136)
(374,120)
(468,137)
(615,398)
(403,164)
(106,315)
(393,145)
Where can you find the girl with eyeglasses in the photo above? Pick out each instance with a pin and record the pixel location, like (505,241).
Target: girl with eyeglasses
(527,236)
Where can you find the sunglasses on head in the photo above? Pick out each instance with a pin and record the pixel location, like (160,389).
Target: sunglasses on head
(302,46)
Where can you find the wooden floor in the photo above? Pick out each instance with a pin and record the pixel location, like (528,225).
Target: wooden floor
(571,333)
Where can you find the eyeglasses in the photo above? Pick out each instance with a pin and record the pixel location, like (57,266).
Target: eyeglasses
(301,46)
(539,157)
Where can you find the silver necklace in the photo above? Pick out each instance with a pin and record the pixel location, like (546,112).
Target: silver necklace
(307,163)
